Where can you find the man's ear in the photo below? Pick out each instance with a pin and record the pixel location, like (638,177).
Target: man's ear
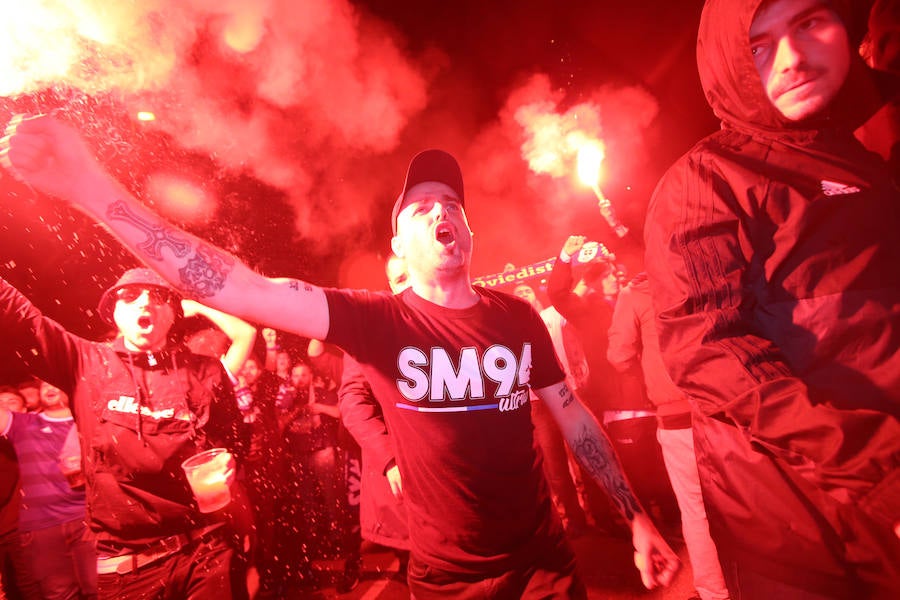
(397,247)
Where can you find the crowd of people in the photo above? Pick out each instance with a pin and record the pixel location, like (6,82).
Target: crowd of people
(745,386)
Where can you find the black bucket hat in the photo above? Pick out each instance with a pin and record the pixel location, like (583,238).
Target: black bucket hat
(141,277)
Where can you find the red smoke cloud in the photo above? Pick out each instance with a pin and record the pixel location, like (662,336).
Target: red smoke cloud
(324,102)
(288,92)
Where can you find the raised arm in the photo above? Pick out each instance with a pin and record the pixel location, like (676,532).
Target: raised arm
(593,450)
(560,284)
(45,348)
(241,333)
(51,157)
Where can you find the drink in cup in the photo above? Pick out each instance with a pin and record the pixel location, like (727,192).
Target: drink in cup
(71,468)
(70,460)
(208,473)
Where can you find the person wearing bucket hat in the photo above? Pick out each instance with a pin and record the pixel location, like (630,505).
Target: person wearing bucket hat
(143,307)
(450,364)
(772,253)
(143,404)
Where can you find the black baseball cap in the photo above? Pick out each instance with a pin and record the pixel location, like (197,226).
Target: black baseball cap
(429,165)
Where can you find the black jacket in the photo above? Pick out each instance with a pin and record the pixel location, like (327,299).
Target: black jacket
(773,252)
(140,415)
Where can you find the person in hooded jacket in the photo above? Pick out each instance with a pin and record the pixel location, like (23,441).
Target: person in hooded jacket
(143,404)
(772,251)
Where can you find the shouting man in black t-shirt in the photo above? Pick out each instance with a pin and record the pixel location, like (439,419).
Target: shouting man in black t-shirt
(451,365)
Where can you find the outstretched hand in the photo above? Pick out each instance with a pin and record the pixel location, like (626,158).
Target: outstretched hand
(652,555)
(47,154)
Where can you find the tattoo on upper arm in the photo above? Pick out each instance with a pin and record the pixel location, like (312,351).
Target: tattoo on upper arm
(596,454)
(205,273)
(158,236)
(295,285)
(566,394)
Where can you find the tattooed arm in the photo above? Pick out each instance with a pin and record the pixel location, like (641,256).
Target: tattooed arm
(594,452)
(51,157)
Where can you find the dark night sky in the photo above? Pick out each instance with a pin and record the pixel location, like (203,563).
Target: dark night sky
(303,140)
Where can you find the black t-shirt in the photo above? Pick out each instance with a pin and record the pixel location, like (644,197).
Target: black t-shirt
(453,385)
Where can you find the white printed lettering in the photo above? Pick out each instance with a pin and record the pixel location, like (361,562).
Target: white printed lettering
(415,386)
(444,377)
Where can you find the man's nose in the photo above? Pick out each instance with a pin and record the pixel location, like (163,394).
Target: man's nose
(788,54)
(143,299)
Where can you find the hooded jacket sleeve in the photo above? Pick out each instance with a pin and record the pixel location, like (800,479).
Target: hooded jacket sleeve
(362,416)
(47,350)
(701,265)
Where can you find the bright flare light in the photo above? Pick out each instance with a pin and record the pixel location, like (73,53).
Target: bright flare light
(146,115)
(555,141)
(590,157)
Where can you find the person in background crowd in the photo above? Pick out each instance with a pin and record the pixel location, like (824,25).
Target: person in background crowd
(278,360)
(884,35)
(143,404)
(31,391)
(772,253)
(327,360)
(475,439)
(57,549)
(382,516)
(556,457)
(310,434)
(257,391)
(16,581)
(12,399)
(634,352)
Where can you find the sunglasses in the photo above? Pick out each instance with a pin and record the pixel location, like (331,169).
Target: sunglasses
(156,295)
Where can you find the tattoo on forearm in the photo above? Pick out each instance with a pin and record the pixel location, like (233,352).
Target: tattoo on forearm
(158,236)
(596,454)
(206,272)
(566,394)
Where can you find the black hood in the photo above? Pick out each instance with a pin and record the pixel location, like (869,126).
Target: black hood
(728,74)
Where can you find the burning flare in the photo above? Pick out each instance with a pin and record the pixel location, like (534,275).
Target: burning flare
(556,141)
(590,157)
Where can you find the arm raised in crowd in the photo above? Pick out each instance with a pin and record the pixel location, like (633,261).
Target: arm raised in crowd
(241,333)
(51,157)
(560,284)
(593,450)
(45,348)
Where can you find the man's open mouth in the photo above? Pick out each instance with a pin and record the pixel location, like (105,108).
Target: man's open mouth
(144,322)
(444,234)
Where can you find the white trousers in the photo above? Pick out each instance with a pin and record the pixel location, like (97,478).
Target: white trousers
(681,465)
